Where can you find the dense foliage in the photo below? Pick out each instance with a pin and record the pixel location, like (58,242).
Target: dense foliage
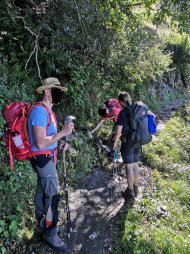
(96,48)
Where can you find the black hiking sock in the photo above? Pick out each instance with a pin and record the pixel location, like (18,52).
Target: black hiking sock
(136,190)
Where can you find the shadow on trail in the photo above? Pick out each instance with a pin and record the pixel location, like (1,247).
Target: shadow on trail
(95,220)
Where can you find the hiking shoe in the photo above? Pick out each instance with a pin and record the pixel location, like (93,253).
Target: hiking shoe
(136,190)
(52,238)
(128,194)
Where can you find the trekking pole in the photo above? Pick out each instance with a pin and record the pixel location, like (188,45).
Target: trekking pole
(67,120)
(67,208)
(114,172)
(115,158)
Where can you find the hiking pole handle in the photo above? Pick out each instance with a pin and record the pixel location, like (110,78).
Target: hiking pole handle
(69,120)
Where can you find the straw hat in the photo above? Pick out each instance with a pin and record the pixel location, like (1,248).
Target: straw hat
(49,83)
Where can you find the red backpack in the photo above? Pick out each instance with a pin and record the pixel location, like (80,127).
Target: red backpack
(15,135)
(112,103)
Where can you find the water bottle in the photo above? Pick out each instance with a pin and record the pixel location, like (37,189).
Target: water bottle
(17,139)
(69,120)
(115,154)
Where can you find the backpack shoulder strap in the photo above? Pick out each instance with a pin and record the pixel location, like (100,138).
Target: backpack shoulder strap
(142,106)
(48,111)
(139,109)
(130,110)
(49,114)
(130,116)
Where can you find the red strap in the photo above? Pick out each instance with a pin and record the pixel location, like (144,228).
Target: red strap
(46,152)
(55,119)
(10,154)
(50,113)
(14,123)
(20,146)
(10,150)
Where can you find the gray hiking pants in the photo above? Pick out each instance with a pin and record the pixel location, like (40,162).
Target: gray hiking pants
(46,189)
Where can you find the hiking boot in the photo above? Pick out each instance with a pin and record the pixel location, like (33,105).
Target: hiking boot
(136,190)
(128,194)
(52,238)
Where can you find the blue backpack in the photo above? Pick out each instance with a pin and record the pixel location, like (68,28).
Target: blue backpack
(152,124)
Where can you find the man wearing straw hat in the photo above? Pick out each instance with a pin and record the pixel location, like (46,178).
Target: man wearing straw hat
(42,128)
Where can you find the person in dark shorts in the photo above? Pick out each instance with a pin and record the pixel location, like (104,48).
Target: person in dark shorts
(130,153)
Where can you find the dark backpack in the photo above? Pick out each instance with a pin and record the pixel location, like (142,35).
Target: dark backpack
(137,118)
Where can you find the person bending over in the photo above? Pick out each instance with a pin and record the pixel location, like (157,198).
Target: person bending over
(109,110)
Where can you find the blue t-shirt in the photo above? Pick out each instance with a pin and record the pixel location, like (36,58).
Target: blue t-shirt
(40,117)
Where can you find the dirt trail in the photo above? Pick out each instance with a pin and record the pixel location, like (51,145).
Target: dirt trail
(164,114)
(92,212)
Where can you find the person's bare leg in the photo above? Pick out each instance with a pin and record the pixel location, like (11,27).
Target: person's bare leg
(130,175)
(129,192)
(136,173)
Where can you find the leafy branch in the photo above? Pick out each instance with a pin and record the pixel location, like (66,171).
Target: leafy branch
(81,21)
(36,44)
